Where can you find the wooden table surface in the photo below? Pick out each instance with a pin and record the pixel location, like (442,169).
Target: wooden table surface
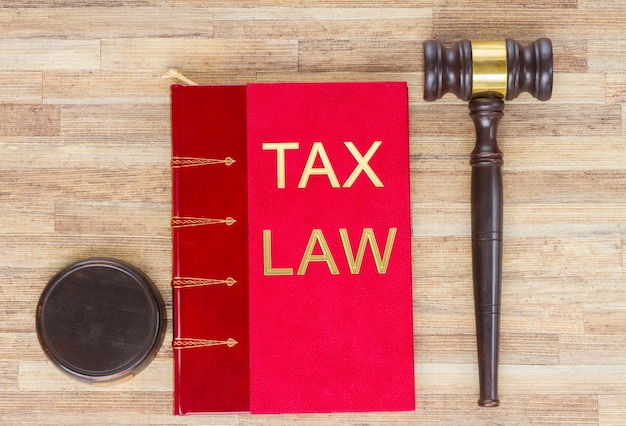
(84,171)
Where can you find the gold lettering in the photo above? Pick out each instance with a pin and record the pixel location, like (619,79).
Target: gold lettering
(267,257)
(326,256)
(368,236)
(280,148)
(362,164)
(317,150)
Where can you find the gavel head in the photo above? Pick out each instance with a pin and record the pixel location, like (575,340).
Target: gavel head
(475,69)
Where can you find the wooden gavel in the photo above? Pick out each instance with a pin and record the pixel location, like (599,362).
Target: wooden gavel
(486,73)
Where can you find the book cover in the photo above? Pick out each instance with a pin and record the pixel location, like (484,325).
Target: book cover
(292,261)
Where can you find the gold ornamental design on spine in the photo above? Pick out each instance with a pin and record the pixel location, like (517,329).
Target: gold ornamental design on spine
(183,222)
(180,162)
(191,343)
(186,282)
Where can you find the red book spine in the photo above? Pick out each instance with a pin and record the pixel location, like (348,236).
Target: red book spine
(210,254)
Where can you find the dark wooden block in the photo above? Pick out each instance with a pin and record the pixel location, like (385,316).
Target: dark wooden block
(100,320)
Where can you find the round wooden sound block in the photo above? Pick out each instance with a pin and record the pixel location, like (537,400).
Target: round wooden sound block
(100,320)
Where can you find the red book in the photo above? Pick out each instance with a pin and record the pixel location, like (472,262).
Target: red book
(292,251)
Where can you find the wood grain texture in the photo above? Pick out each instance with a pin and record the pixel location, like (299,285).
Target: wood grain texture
(85,137)
(105,22)
(49,54)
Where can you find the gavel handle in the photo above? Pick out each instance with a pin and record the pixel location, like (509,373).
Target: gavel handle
(486,205)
